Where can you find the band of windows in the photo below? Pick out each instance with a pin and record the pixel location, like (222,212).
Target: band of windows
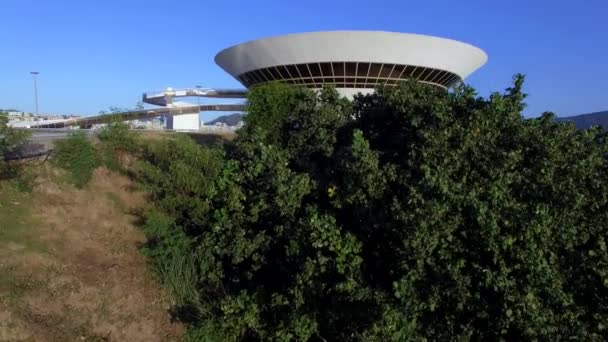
(347,74)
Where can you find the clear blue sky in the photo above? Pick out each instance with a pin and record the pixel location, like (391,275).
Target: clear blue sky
(96,54)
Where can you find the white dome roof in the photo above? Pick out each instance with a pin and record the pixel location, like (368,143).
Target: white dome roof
(353,46)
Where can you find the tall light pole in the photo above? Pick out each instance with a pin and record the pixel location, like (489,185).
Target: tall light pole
(35,76)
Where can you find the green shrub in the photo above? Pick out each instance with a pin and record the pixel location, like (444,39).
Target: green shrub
(77,155)
(117,139)
(25,179)
(10,140)
(409,214)
(179,175)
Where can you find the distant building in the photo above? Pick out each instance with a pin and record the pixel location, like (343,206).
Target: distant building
(188,122)
(352,61)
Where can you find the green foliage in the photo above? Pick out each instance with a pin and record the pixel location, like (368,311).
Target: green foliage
(77,155)
(10,140)
(409,214)
(178,173)
(169,249)
(117,140)
(25,177)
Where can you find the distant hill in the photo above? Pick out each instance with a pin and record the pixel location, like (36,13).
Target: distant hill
(229,120)
(585,121)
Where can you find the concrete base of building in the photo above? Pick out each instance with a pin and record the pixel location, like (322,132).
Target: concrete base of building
(184,122)
(350,93)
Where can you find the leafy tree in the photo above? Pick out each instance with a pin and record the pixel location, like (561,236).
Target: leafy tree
(117,140)
(10,140)
(78,156)
(411,213)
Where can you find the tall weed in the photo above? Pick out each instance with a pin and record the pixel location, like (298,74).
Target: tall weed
(78,156)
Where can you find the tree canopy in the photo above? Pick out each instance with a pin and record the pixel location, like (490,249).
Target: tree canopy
(411,213)
(10,140)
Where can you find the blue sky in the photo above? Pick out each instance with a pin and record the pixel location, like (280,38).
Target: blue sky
(95,54)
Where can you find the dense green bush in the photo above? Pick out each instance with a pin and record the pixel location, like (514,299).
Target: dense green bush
(117,140)
(409,214)
(78,156)
(10,140)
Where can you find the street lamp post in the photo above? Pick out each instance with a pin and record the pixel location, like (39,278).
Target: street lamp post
(35,76)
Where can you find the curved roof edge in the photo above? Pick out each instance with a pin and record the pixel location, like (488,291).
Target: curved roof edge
(362,46)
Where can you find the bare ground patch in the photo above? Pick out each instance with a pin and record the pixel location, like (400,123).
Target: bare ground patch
(74,272)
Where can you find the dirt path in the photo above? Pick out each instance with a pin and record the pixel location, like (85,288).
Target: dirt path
(70,269)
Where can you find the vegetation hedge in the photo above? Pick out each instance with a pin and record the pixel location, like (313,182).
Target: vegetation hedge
(408,214)
(117,140)
(78,156)
(10,140)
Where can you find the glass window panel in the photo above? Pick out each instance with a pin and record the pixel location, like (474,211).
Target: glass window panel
(268,74)
(351,68)
(397,71)
(424,76)
(292,71)
(350,80)
(303,70)
(453,80)
(318,80)
(339,79)
(338,68)
(314,69)
(362,69)
(326,69)
(275,73)
(436,76)
(370,81)
(244,76)
(445,78)
(407,73)
(258,77)
(374,70)
(433,75)
(283,72)
(417,71)
(385,72)
(439,76)
(253,77)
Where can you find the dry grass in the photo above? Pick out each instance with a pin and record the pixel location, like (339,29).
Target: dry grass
(203,138)
(72,270)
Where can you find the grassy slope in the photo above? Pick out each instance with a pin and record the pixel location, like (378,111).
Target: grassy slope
(70,266)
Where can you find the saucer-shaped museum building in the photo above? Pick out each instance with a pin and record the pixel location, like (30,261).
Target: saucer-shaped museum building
(353,61)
